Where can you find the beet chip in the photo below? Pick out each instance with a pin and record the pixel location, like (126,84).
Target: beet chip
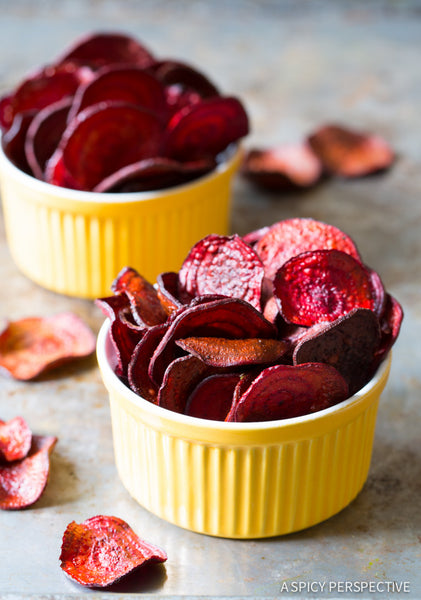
(205,129)
(146,307)
(285,391)
(322,285)
(102,139)
(220,352)
(30,346)
(350,153)
(282,168)
(390,324)
(22,482)
(167,289)
(102,550)
(174,73)
(44,134)
(222,265)
(348,344)
(229,318)
(137,372)
(13,141)
(290,237)
(212,398)
(15,439)
(107,48)
(181,377)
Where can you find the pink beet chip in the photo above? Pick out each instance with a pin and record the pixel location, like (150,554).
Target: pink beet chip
(15,439)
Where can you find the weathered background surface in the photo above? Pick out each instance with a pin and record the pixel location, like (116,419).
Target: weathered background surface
(295,65)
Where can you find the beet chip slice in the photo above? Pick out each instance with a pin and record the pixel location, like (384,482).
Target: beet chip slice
(137,372)
(205,128)
(107,48)
(30,346)
(348,344)
(212,398)
(283,168)
(102,139)
(322,285)
(228,317)
(13,141)
(186,77)
(225,265)
(129,84)
(22,482)
(103,549)
(167,289)
(286,391)
(390,324)
(220,352)
(144,301)
(290,237)
(15,439)
(181,377)
(44,134)
(350,153)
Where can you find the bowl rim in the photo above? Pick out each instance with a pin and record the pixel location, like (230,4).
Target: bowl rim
(164,415)
(229,157)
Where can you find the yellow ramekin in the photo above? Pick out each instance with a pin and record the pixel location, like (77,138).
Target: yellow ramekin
(241,480)
(75,243)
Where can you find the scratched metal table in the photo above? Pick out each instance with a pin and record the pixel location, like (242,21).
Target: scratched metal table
(295,65)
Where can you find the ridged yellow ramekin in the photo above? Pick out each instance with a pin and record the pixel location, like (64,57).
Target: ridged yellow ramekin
(241,480)
(75,243)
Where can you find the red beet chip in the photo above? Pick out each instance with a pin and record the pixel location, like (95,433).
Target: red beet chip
(350,153)
(181,377)
(290,237)
(227,317)
(205,129)
(102,550)
(45,87)
(255,236)
(107,48)
(390,324)
(348,344)
(22,482)
(31,346)
(102,139)
(186,77)
(44,134)
(167,289)
(221,352)
(322,285)
(125,83)
(212,397)
(6,112)
(144,301)
(222,265)
(153,174)
(138,365)
(15,439)
(243,384)
(13,140)
(286,391)
(282,168)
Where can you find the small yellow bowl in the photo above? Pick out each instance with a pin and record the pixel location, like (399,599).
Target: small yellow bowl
(240,480)
(75,243)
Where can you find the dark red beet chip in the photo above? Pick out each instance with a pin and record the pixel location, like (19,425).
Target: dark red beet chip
(22,482)
(31,346)
(243,384)
(6,112)
(129,84)
(286,391)
(350,153)
(282,168)
(15,439)
(228,317)
(222,265)
(153,174)
(290,237)
(107,48)
(13,141)
(205,129)
(139,379)
(322,285)
(44,134)
(102,139)
(390,324)
(103,549)
(348,344)
(221,352)
(184,76)
(167,289)
(181,377)
(212,397)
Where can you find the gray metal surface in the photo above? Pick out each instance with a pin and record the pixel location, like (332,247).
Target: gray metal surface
(295,65)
